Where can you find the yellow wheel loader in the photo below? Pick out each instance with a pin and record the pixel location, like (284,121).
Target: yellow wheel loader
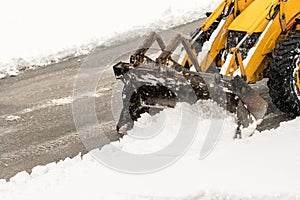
(240,43)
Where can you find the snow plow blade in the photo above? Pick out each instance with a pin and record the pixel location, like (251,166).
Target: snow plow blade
(151,85)
(150,89)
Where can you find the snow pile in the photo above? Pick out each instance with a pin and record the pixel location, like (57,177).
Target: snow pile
(265,166)
(35,33)
(151,134)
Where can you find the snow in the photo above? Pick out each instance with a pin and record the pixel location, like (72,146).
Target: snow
(12,118)
(36,33)
(61,101)
(53,102)
(226,64)
(264,166)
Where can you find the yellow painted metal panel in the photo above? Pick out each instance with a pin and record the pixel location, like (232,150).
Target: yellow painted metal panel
(253,19)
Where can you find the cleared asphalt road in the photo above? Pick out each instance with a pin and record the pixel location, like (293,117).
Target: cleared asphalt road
(36,116)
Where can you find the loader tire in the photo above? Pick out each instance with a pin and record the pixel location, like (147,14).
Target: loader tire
(282,75)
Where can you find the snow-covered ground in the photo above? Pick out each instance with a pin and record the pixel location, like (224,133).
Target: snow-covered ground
(36,33)
(265,166)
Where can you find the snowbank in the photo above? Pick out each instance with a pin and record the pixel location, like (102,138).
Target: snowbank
(265,166)
(35,33)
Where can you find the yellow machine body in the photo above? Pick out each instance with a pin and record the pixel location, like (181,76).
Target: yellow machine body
(271,18)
